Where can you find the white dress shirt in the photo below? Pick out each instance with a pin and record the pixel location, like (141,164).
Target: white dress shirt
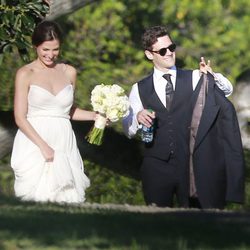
(130,123)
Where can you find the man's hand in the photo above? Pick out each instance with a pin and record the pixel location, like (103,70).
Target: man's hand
(145,117)
(205,67)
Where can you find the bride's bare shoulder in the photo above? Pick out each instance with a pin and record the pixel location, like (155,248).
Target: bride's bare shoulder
(69,68)
(70,71)
(25,71)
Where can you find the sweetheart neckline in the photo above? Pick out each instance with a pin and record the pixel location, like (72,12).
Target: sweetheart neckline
(35,85)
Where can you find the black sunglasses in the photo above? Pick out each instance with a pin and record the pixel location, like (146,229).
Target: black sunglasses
(163,51)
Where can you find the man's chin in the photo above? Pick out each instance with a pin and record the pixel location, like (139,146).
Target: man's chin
(169,65)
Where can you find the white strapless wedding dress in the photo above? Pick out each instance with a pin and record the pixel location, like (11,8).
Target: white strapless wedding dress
(62,180)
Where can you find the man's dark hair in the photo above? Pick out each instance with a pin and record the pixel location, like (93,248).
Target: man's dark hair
(151,34)
(46,31)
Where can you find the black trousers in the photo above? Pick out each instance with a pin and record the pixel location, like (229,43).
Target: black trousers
(162,180)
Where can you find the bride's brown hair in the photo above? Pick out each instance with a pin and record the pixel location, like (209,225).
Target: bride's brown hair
(46,31)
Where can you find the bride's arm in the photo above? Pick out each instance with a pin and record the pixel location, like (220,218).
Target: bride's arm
(21,109)
(77,113)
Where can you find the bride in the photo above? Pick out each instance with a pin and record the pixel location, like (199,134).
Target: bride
(45,158)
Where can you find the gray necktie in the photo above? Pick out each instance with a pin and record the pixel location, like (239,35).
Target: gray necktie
(169,91)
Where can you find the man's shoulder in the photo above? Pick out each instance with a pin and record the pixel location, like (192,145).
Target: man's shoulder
(146,78)
(184,71)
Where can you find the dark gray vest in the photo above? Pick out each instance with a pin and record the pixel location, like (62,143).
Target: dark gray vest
(171,133)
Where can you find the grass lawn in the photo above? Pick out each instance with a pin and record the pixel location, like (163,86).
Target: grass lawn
(33,226)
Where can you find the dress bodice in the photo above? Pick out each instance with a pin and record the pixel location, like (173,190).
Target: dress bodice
(41,102)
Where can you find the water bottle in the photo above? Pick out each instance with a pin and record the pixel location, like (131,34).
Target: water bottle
(147,134)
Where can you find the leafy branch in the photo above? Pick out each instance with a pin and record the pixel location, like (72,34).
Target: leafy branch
(17,21)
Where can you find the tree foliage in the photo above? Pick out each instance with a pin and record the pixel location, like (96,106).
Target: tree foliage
(18,19)
(216,29)
(103,52)
(103,38)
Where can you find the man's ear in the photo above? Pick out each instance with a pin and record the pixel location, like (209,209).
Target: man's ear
(148,55)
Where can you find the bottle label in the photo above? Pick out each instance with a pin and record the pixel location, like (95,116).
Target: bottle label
(147,134)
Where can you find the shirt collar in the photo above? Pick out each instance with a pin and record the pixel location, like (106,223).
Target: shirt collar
(158,74)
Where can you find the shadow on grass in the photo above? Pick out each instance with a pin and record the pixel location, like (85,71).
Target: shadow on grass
(54,225)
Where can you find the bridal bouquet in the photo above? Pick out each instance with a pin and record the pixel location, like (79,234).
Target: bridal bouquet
(112,104)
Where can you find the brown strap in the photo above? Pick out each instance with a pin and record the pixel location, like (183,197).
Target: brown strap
(196,117)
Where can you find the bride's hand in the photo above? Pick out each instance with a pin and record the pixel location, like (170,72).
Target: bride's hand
(101,120)
(48,153)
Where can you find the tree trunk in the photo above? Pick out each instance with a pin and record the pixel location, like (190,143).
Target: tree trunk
(7,132)
(63,7)
(241,100)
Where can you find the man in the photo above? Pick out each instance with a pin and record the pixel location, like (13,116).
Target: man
(165,166)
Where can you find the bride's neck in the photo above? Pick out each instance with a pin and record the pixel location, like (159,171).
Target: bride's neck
(41,65)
